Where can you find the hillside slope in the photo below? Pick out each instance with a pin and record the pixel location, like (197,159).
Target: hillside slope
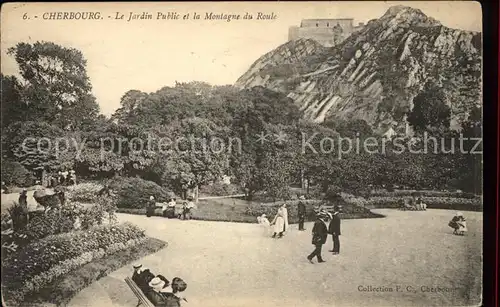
(376,72)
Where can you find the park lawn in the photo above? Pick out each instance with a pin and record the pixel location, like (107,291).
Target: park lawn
(224,209)
(243,211)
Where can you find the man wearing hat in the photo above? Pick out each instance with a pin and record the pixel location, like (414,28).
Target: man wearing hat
(153,292)
(334,229)
(319,235)
(142,276)
(301,212)
(160,294)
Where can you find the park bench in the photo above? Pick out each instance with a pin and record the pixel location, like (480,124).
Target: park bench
(138,293)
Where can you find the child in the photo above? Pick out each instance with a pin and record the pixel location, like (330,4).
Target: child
(264,224)
(459,224)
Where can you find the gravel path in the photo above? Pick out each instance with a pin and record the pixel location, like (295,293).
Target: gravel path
(235,265)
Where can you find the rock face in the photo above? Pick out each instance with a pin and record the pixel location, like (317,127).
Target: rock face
(375,73)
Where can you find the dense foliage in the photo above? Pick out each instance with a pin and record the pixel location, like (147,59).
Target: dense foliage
(14,173)
(189,135)
(135,192)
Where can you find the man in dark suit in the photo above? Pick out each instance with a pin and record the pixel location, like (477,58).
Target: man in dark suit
(301,213)
(319,235)
(142,277)
(334,230)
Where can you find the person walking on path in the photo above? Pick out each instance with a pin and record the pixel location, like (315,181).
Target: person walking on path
(280,222)
(301,207)
(334,230)
(319,236)
(150,209)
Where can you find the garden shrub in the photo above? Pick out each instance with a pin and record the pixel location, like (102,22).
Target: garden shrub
(221,189)
(18,214)
(84,192)
(134,192)
(55,222)
(423,193)
(14,173)
(450,203)
(40,262)
(43,225)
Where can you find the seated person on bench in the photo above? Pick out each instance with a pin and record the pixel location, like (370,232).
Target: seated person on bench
(172,293)
(162,294)
(142,276)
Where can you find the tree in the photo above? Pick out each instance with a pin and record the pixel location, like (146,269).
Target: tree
(14,173)
(350,128)
(56,87)
(13,107)
(34,145)
(430,110)
(128,104)
(194,158)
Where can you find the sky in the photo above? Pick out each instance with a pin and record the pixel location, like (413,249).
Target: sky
(147,55)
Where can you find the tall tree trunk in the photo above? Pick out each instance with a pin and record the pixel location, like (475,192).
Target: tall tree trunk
(302,179)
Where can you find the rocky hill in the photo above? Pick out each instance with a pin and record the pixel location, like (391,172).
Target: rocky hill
(376,72)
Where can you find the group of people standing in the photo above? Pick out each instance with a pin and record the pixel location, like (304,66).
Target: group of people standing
(158,289)
(62,178)
(325,224)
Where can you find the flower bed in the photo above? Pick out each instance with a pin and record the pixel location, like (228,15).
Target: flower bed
(62,289)
(40,262)
(451,203)
(72,215)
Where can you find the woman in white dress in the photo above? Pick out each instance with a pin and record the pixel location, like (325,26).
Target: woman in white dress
(280,222)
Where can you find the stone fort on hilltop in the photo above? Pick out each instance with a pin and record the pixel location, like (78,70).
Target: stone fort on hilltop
(328,32)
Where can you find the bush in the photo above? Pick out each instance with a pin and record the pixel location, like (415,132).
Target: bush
(50,223)
(409,193)
(84,192)
(55,222)
(450,203)
(19,216)
(14,173)
(33,265)
(135,192)
(221,189)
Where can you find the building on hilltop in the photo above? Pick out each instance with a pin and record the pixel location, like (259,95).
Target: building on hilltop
(328,32)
